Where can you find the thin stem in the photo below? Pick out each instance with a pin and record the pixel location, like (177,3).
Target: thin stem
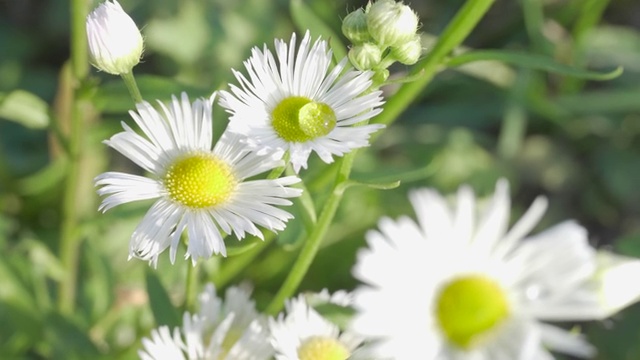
(311,246)
(452,36)
(190,291)
(69,234)
(132,86)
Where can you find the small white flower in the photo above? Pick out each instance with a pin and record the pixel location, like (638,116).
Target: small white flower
(200,189)
(295,102)
(303,334)
(455,286)
(230,329)
(115,43)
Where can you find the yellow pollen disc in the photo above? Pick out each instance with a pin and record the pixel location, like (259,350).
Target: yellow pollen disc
(322,348)
(299,119)
(468,307)
(200,181)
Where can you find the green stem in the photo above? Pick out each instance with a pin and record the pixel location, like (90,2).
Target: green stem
(132,86)
(69,234)
(311,246)
(452,36)
(190,291)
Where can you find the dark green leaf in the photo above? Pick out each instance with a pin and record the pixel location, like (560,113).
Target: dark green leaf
(68,339)
(163,310)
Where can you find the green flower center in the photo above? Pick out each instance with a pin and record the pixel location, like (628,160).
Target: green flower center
(298,119)
(468,307)
(322,348)
(200,181)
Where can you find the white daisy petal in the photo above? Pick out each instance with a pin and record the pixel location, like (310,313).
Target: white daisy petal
(201,189)
(122,188)
(426,284)
(301,75)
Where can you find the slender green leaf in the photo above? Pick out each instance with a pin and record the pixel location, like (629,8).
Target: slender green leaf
(532,61)
(305,19)
(24,108)
(163,310)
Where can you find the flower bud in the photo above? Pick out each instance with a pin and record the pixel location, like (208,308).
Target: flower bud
(115,43)
(409,52)
(354,27)
(391,23)
(365,56)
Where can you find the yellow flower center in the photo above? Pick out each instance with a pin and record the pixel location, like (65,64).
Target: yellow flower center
(200,181)
(322,348)
(298,119)
(468,307)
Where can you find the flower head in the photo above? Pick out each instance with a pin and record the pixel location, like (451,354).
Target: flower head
(303,334)
(200,188)
(298,104)
(115,43)
(230,329)
(463,287)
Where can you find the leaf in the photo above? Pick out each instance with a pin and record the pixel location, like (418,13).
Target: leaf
(532,61)
(68,339)
(113,97)
(305,19)
(163,310)
(377,186)
(24,108)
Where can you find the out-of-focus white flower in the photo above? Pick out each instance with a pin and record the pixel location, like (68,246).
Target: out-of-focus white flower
(295,102)
(115,43)
(231,329)
(303,334)
(201,188)
(458,286)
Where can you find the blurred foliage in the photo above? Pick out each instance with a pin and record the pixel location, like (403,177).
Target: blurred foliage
(575,141)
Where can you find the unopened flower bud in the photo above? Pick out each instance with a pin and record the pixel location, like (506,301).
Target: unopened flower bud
(391,23)
(380,76)
(115,43)
(354,27)
(409,52)
(365,56)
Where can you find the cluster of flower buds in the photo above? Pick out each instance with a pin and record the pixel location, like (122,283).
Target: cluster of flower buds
(381,34)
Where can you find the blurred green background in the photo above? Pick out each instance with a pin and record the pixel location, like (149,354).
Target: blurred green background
(574,141)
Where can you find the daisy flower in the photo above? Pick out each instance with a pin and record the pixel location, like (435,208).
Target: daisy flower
(230,329)
(303,334)
(298,103)
(457,286)
(200,188)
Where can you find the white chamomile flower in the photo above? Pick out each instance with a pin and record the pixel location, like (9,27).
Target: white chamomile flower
(458,286)
(230,329)
(303,334)
(296,102)
(200,188)
(115,43)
